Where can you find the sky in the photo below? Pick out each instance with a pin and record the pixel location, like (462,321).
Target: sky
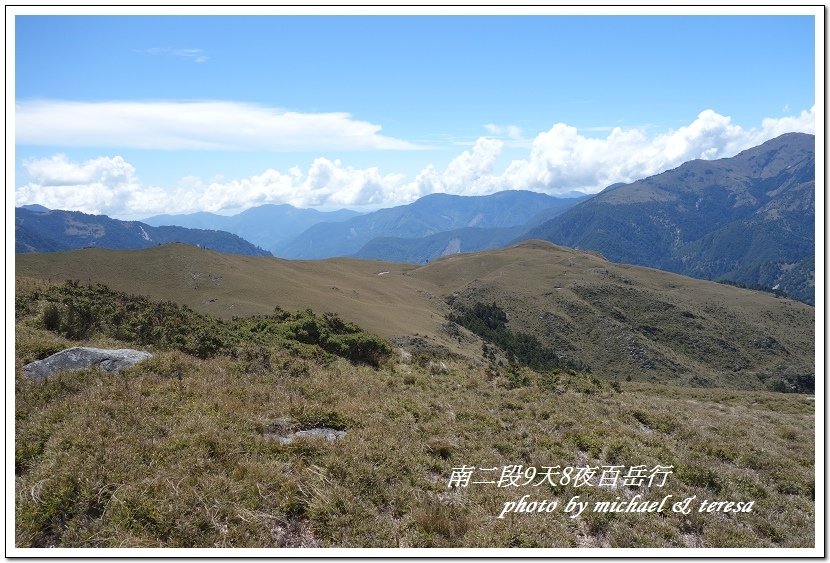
(133,116)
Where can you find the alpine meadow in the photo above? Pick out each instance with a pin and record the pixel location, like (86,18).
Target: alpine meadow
(384,282)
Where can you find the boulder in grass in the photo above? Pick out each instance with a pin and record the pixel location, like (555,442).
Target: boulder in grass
(74,359)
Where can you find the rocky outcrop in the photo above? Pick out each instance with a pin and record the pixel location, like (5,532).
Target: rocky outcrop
(74,359)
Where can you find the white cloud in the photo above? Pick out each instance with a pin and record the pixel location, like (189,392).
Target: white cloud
(99,185)
(512,132)
(465,171)
(771,128)
(58,170)
(108,185)
(195,55)
(326,183)
(562,160)
(203,125)
(469,173)
(559,160)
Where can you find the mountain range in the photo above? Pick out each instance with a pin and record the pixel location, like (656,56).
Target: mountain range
(421,250)
(429,215)
(38,229)
(748,219)
(266,226)
(428,228)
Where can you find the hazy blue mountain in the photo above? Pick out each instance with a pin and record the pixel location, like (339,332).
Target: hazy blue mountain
(422,250)
(266,225)
(748,219)
(468,239)
(432,214)
(53,230)
(199,220)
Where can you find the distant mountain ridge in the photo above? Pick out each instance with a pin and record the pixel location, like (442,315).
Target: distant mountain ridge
(467,239)
(429,215)
(38,229)
(422,250)
(748,219)
(266,225)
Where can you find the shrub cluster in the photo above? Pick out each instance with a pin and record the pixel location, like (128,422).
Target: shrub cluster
(77,312)
(332,334)
(490,323)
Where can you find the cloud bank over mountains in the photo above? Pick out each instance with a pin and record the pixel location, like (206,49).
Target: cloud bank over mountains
(559,160)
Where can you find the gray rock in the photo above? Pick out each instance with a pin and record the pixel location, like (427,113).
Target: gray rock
(329,434)
(74,359)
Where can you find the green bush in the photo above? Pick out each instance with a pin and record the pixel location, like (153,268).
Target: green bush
(80,320)
(78,312)
(699,477)
(490,323)
(359,348)
(52,317)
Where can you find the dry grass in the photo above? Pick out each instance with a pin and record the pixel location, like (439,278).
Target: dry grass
(179,451)
(147,459)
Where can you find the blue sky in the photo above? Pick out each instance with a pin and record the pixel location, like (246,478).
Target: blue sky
(132,115)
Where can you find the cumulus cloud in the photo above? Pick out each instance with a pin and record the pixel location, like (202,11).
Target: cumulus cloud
(200,125)
(58,170)
(804,122)
(469,173)
(325,183)
(100,185)
(562,160)
(109,185)
(559,160)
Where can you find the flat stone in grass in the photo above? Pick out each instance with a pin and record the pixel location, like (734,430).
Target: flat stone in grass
(78,358)
(329,434)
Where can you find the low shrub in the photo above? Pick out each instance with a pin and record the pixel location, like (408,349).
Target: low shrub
(78,312)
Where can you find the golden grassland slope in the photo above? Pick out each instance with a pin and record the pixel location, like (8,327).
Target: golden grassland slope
(182,451)
(623,321)
(628,320)
(179,452)
(374,294)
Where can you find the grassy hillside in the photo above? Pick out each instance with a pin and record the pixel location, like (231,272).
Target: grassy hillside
(227,286)
(631,322)
(184,451)
(620,321)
